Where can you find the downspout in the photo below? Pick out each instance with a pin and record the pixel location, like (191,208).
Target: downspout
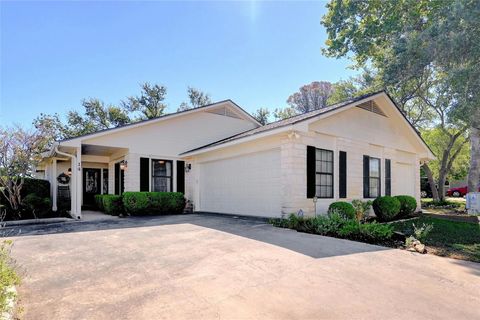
(71,193)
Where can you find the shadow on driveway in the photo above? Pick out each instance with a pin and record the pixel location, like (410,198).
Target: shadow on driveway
(311,245)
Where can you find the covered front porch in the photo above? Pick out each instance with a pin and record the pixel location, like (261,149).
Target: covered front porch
(77,174)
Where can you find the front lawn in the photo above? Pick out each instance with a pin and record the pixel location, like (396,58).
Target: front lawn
(459,240)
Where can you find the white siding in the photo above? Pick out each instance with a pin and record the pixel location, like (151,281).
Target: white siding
(247,185)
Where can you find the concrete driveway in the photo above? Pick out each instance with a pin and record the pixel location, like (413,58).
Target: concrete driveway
(209,267)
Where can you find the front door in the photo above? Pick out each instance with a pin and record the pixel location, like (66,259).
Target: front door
(91,186)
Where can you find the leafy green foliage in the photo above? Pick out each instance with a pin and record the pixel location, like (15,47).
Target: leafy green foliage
(39,207)
(262,115)
(454,239)
(152,203)
(113,204)
(408,205)
(8,276)
(99,202)
(197,98)
(343,208)
(150,103)
(337,226)
(386,208)
(361,209)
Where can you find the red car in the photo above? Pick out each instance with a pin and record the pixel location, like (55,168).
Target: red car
(458,192)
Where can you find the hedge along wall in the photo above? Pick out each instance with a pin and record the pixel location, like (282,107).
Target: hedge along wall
(153,203)
(36,190)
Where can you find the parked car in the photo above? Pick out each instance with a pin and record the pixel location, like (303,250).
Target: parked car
(458,192)
(426,191)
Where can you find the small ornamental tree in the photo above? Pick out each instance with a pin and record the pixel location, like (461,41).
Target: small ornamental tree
(19,154)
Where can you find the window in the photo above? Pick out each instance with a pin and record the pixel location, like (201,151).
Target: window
(324,173)
(374,178)
(161,175)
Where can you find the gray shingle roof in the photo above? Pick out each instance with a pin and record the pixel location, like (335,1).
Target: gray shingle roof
(282,123)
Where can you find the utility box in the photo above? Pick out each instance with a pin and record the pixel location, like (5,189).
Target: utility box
(473,203)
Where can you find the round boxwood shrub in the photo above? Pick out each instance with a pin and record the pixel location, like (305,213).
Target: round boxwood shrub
(408,204)
(386,208)
(343,208)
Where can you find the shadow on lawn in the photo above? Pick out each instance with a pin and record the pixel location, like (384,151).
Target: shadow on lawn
(256,229)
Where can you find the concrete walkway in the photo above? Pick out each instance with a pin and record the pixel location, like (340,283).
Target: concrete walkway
(209,267)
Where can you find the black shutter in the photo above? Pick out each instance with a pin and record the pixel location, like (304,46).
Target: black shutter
(379,177)
(144,174)
(388,177)
(117,178)
(366,176)
(342,175)
(311,172)
(181,176)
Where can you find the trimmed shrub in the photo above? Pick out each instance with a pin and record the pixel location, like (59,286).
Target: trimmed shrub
(99,202)
(136,203)
(153,203)
(39,207)
(408,205)
(386,208)
(37,186)
(343,208)
(336,225)
(112,204)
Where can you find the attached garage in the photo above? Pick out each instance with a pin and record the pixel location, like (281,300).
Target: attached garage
(244,185)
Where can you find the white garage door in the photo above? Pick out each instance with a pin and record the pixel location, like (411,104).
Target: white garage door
(405,179)
(246,185)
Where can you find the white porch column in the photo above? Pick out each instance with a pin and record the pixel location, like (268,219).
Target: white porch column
(54,185)
(78,182)
(73,187)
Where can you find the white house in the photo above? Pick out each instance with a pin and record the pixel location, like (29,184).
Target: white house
(225,161)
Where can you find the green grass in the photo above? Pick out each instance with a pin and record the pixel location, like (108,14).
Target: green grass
(460,240)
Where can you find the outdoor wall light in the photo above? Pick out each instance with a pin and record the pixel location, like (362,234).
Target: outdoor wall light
(123,165)
(188,167)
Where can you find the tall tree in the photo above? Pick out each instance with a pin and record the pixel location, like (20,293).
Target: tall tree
(406,39)
(149,104)
(96,116)
(284,113)
(262,115)
(311,96)
(196,98)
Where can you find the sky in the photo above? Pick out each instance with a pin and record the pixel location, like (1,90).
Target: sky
(54,54)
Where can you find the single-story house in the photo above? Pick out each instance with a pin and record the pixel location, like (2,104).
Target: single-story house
(225,161)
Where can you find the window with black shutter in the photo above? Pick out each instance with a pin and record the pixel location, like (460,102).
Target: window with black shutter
(342,174)
(371,177)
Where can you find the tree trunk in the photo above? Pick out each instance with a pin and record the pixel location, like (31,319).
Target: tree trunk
(431,181)
(474,172)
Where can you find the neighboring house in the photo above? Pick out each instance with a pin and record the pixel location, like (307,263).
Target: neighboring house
(225,161)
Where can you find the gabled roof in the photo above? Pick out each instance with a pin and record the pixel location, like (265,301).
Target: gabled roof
(167,116)
(300,118)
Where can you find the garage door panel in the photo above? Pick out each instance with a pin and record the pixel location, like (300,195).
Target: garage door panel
(248,185)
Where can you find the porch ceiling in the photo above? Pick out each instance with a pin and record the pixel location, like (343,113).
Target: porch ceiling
(94,150)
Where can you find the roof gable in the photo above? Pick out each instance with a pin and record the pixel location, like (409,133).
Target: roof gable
(366,102)
(229,108)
